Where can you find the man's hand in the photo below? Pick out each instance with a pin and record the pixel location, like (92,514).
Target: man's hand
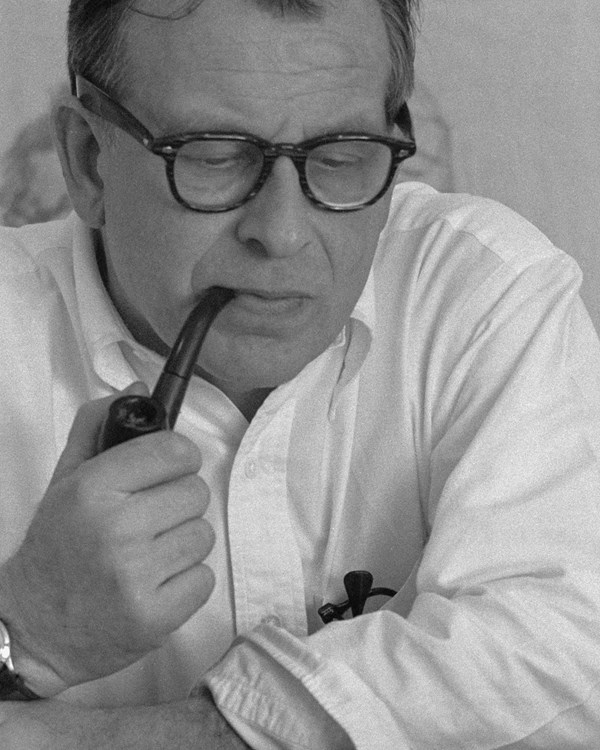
(113,560)
(194,724)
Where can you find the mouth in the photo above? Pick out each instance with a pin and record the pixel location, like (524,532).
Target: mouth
(273,308)
(260,300)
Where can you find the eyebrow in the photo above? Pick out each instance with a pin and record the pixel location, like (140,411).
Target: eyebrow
(196,123)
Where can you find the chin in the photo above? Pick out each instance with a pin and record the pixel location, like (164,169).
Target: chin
(253,371)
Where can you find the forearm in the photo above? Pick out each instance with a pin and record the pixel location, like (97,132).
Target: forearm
(471,671)
(194,724)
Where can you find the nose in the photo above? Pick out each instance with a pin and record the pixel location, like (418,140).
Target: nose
(276,221)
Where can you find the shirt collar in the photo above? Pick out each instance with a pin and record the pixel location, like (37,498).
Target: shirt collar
(357,336)
(104,330)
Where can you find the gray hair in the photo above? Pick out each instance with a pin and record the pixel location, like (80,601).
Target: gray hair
(97,33)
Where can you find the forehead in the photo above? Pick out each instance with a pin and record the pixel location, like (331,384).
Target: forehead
(231,59)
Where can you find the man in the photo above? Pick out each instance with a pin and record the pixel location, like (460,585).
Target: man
(409,389)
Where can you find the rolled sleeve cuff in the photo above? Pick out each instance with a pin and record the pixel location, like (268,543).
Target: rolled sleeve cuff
(267,704)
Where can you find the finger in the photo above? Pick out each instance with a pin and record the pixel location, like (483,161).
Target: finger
(164,608)
(163,508)
(144,462)
(81,443)
(183,548)
(188,591)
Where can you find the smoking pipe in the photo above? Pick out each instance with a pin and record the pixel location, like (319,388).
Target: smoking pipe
(130,416)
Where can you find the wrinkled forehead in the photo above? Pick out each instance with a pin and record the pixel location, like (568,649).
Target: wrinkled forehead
(181,8)
(246,37)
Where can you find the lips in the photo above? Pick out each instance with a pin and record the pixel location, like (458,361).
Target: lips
(268,294)
(257,310)
(269,302)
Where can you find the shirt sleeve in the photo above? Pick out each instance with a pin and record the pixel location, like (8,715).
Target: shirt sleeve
(502,646)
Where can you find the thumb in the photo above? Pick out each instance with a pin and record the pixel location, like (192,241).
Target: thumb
(82,441)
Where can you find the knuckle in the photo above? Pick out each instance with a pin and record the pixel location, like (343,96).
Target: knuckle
(175,449)
(204,584)
(202,538)
(189,494)
(195,542)
(199,494)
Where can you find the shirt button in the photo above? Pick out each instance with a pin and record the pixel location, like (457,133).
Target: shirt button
(266,466)
(251,468)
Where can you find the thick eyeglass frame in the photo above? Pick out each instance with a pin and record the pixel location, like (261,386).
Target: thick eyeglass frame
(101,104)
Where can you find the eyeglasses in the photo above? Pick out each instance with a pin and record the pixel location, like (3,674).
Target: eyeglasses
(215,172)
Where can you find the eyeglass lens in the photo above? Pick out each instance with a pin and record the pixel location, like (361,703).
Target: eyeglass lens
(215,174)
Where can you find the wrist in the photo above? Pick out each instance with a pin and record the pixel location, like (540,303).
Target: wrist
(24,659)
(12,685)
(36,675)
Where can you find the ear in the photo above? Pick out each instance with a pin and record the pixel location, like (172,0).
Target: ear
(78,146)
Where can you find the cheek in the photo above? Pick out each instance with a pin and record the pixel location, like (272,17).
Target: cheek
(136,196)
(153,240)
(355,243)
(136,246)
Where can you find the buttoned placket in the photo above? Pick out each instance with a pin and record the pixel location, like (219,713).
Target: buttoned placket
(273,579)
(265,559)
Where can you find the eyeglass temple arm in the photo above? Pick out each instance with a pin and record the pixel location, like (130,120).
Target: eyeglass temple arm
(99,103)
(405,122)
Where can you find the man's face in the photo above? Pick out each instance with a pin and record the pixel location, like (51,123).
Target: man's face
(298,270)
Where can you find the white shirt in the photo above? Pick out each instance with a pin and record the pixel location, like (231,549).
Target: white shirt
(448,442)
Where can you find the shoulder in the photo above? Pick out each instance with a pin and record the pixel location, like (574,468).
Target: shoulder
(36,272)
(456,269)
(26,250)
(462,239)
(450,217)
